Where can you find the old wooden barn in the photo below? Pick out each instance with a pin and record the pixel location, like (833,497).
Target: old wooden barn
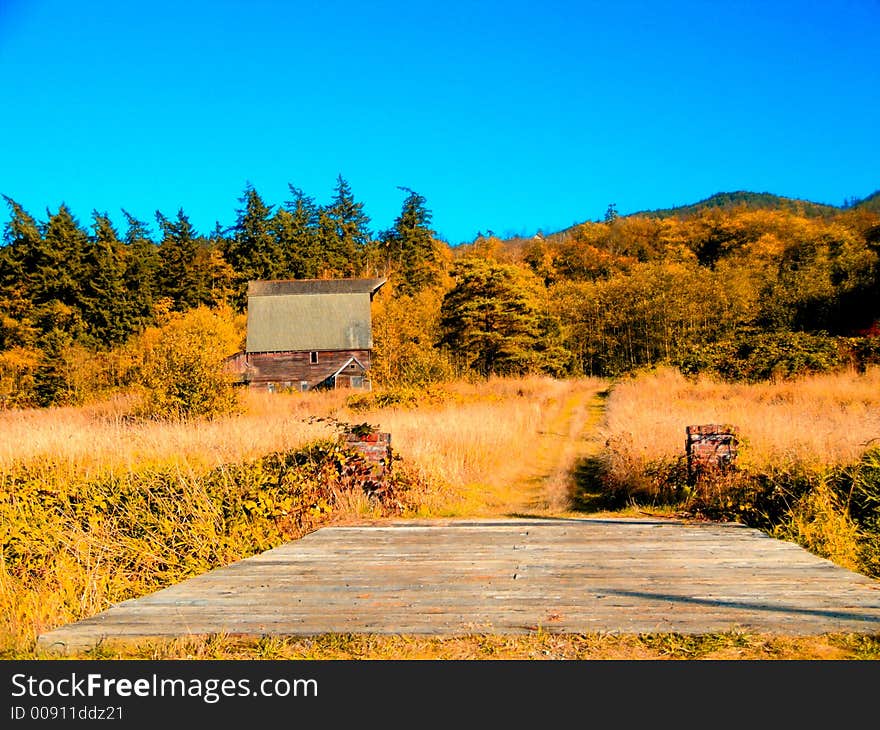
(304,334)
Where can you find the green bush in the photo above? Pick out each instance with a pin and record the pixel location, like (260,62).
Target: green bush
(754,356)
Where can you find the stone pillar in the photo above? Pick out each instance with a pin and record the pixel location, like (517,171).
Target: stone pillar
(711,448)
(375,449)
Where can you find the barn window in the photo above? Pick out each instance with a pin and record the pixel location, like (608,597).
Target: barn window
(313,358)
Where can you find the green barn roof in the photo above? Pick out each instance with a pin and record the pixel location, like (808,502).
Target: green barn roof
(310,314)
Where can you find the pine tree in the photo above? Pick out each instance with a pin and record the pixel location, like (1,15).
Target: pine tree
(493,321)
(176,274)
(51,386)
(410,247)
(344,232)
(107,309)
(295,226)
(142,263)
(253,250)
(330,263)
(24,240)
(59,267)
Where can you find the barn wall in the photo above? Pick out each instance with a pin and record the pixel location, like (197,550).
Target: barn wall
(288,369)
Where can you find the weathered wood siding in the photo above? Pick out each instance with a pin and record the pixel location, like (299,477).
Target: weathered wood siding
(288,369)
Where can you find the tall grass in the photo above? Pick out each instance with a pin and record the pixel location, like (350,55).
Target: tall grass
(97,506)
(815,421)
(807,470)
(77,441)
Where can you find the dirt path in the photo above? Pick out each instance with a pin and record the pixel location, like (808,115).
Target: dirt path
(546,483)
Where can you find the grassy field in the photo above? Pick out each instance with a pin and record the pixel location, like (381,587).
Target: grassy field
(536,646)
(98,507)
(808,468)
(812,423)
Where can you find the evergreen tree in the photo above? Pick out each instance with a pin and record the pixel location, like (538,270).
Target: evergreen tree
(330,261)
(176,274)
(493,321)
(252,250)
(107,309)
(295,226)
(51,385)
(23,240)
(345,232)
(58,265)
(142,263)
(410,247)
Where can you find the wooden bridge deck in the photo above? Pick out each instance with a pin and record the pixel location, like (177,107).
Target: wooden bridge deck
(504,576)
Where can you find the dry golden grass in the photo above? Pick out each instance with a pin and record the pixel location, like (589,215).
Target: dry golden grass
(475,444)
(478,449)
(810,423)
(539,645)
(472,436)
(103,436)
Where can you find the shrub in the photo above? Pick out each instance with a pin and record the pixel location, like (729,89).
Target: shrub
(181,371)
(69,549)
(755,356)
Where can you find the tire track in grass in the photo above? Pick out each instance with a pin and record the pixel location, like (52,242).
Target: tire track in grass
(547,482)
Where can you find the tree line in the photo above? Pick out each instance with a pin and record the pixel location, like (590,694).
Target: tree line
(67,289)
(737,291)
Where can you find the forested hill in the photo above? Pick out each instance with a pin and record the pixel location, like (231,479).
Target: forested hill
(747,200)
(739,201)
(871,203)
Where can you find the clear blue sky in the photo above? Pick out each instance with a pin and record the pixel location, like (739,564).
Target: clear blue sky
(507,116)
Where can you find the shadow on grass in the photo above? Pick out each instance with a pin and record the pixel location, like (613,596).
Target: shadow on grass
(588,493)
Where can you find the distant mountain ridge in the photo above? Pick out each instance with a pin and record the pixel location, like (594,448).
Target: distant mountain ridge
(871,203)
(752,201)
(747,199)
(756,201)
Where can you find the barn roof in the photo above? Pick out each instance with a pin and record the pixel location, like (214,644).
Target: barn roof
(282,287)
(310,314)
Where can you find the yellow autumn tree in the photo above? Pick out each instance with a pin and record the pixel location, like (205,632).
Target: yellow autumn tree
(405,328)
(180,371)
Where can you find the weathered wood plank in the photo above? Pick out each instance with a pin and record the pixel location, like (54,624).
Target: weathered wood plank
(503,576)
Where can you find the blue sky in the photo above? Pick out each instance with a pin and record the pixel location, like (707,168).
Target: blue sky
(507,116)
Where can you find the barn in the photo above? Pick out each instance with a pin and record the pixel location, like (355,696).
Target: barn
(304,334)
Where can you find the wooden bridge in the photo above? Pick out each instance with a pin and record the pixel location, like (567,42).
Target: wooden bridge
(503,576)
